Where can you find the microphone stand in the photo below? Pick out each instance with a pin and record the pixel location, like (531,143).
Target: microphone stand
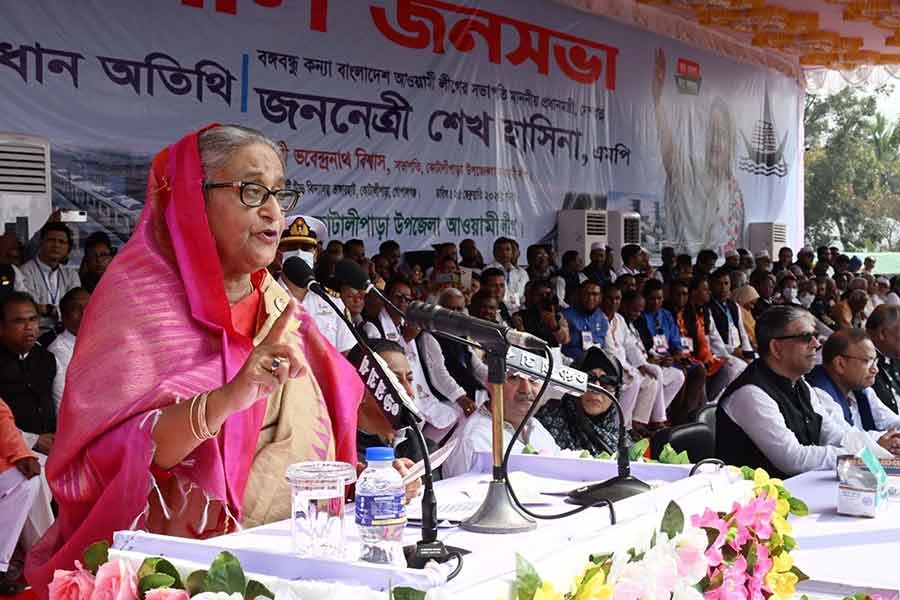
(429,547)
(498,513)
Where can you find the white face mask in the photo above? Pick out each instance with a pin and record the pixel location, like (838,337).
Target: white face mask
(308,257)
(806,299)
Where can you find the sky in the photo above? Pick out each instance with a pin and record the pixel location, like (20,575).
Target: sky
(890,105)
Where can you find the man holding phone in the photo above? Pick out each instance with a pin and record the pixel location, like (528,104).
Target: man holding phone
(541,315)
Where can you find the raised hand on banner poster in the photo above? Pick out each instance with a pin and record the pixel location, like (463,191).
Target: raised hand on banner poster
(659,74)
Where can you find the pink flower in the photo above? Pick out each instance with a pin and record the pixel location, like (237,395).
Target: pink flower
(116,580)
(712,520)
(734,580)
(166,594)
(71,585)
(756,515)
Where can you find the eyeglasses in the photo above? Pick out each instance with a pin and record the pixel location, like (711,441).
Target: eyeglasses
(805,338)
(254,195)
(401,298)
(869,362)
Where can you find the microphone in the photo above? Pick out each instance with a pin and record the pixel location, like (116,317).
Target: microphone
(577,382)
(393,401)
(437,318)
(378,379)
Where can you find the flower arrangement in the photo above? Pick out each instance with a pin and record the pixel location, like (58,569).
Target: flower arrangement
(744,553)
(97,577)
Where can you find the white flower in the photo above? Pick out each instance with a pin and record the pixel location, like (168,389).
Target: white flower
(686,592)
(217,596)
(690,548)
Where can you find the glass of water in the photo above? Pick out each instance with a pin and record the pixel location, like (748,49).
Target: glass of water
(317,516)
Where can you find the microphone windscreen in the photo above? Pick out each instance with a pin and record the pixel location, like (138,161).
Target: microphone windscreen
(297,271)
(350,273)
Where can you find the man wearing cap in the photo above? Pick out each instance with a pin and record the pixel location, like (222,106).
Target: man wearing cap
(732,259)
(300,240)
(763,261)
(597,269)
(786,288)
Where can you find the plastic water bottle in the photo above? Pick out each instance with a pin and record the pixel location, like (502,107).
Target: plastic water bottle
(380,513)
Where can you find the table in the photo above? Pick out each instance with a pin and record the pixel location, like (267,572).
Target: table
(859,551)
(558,549)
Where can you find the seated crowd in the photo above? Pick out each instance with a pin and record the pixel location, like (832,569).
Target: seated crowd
(795,354)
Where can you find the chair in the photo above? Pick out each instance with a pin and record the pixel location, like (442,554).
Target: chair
(695,438)
(707,416)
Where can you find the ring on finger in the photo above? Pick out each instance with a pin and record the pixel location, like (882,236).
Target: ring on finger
(276,363)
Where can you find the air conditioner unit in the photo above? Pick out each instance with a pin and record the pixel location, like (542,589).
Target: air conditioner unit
(578,229)
(25,186)
(769,237)
(624,229)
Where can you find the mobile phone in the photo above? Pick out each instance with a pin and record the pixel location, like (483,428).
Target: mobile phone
(73,216)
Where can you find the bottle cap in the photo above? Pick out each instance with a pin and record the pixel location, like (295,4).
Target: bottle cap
(379,453)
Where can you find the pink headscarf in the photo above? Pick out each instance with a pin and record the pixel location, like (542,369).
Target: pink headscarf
(158,328)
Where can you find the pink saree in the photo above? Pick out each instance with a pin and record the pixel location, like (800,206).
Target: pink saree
(158,330)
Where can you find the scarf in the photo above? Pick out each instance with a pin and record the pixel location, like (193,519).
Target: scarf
(158,330)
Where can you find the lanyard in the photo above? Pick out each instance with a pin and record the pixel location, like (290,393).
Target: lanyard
(726,311)
(54,297)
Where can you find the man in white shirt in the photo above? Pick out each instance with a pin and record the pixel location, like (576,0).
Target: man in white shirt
(516,277)
(46,278)
(770,417)
(519,394)
(72,308)
(846,376)
(391,325)
(636,261)
(300,239)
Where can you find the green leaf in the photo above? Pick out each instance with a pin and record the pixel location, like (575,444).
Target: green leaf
(789,543)
(95,555)
(154,581)
(402,593)
(584,589)
(638,449)
(529,449)
(604,455)
(634,555)
(255,589)
(712,534)
(225,575)
(527,579)
(585,454)
(752,557)
(196,583)
(673,520)
(157,564)
(599,559)
(716,580)
(653,540)
(748,473)
(798,507)
(783,493)
(801,576)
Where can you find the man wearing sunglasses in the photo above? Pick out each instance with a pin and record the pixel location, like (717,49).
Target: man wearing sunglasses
(770,417)
(848,370)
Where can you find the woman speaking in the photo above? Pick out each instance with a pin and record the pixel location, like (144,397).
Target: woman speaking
(196,379)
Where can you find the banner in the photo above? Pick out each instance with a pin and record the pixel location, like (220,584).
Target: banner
(414,120)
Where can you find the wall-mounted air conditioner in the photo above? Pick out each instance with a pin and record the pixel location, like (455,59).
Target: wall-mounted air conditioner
(578,229)
(769,237)
(624,229)
(25,185)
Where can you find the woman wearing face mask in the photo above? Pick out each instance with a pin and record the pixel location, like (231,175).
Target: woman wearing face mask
(746,298)
(786,285)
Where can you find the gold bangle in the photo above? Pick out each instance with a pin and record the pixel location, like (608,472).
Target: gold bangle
(191,419)
(202,422)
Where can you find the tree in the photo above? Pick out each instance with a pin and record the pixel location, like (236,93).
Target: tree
(851,165)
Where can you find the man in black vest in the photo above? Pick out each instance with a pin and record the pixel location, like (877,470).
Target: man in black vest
(846,376)
(769,417)
(26,371)
(883,326)
(727,316)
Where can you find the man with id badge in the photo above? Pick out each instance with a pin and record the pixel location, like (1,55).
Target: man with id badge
(667,349)
(727,318)
(587,323)
(45,276)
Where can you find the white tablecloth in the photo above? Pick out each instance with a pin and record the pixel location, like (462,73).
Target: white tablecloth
(558,548)
(859,551)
